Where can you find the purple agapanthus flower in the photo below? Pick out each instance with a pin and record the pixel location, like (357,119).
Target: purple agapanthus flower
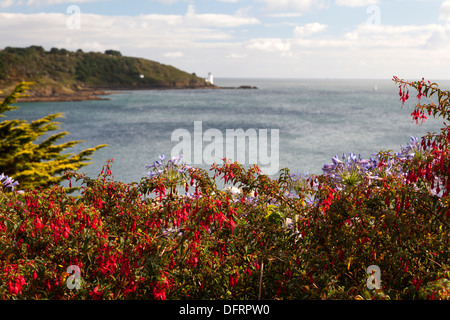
(350,169)
(170,167)
(410,150)
(9,182)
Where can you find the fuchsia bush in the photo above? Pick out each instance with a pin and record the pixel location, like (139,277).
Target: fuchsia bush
(176,235)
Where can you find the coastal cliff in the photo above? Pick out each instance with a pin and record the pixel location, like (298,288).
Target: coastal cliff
(62,75)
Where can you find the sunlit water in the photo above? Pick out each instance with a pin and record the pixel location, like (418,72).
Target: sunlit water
(316,119)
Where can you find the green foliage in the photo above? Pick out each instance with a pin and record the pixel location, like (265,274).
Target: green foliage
(177,235)
(113,53)
(64,70)
(114,70)
(35,164)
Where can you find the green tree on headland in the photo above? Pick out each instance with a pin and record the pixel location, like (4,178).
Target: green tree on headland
(35,164)
(59,72)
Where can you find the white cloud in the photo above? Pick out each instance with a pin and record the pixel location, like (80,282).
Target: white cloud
(191,18)
(237,56)
(10,3)
(298,5)
(210,41)
(369,39)
(356,3)
(166,32)
(176,54)
(444,13)
(284,15)
(51,2)
(153,30)
(168,1)
(309,29)
(218,20)
(6,3)
(270,44)
(437,40)
(407,36)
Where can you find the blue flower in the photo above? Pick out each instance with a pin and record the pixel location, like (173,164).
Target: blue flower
(172,168)
(175,160)
(410,150)
(154,165)
(328,167)
(9,182)
(336,160)
(350,170)
(352,157)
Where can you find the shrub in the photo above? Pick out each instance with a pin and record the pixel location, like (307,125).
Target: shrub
(35,164)
(176,235)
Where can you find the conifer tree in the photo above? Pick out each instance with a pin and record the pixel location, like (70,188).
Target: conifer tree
(35,164)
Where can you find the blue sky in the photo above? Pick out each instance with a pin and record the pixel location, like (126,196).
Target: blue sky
(248,38)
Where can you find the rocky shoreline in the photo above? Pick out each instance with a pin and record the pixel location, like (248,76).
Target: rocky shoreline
(98,93)
(78,96)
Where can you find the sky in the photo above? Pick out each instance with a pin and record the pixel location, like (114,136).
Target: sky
(358,39)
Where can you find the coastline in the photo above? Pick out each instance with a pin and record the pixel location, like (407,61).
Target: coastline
(97,92)
(78,96)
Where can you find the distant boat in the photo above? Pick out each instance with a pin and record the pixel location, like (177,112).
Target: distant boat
(375,87)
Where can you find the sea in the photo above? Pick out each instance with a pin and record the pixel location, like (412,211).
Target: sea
(315,119)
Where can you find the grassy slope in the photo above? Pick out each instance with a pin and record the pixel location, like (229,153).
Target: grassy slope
(63,72)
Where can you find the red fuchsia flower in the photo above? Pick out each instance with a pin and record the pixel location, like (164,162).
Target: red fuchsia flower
(234,278)
(12,288)
(38,224)
(232,224)
(159,293)
(348,223)
(341,254)
(96,294)
(417,283)
(94,223)
(329,200)
(161,190)
(418,115)
(66,232)
(172,263)
(248,270)
(131,287)
(15,286)
(404,94)
(288,274)
(160,287)
(220,218)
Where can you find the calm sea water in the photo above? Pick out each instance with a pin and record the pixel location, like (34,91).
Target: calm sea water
(316,119)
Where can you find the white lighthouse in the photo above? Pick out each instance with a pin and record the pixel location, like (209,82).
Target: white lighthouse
(210,78)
